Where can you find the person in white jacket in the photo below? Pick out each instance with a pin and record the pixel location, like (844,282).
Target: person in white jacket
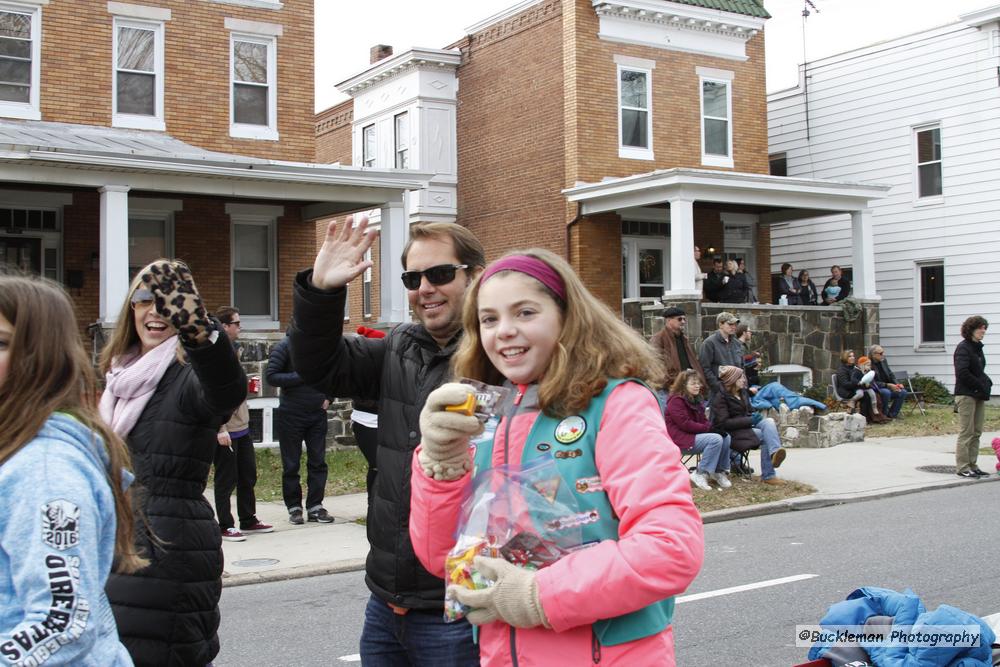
(65,516)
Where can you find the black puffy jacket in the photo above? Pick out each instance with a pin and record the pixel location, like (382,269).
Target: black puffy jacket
(733,415)
(398,371)
(296,396)
(970,371)
(168,613)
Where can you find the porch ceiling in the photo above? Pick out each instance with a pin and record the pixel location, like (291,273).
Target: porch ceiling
(779,197)
(93,156)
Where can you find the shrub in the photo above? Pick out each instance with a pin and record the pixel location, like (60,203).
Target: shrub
(818,392)
(934,390)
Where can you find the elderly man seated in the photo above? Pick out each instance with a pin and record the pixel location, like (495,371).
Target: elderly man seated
(893,393)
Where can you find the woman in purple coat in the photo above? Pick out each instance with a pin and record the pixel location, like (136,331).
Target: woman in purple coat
(690,430)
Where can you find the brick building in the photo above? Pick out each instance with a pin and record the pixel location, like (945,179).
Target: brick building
(180,128)
(617,133)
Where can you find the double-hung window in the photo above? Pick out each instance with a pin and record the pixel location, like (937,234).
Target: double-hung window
(930,315)
(716,118)
(254,265)
(369,146)
(635,120)
(402,140)
(20,42)
(928,176)
(137,94)
(253,76)
(366,290)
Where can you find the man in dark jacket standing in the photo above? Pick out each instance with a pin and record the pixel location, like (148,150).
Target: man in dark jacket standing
(714,282)
(301,415)
(674,347)
(720,349)
(403,619)
(972,389)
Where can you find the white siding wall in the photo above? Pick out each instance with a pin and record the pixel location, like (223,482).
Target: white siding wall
(863,106)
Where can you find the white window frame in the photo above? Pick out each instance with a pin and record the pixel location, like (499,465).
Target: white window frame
(131,120)
(366,289)
(928,200)
(166,217)
(30,110)
(256,322)
(711,159)
(401,145)
(267,132)
(631,245)
(918,343)
(635,152)
(366,159)
(50,239)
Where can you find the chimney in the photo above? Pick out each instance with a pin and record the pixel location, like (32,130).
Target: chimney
(379,52)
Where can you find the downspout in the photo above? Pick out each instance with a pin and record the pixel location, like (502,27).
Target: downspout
(569,225)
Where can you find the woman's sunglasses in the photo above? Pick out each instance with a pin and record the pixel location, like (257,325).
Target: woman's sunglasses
(436,275)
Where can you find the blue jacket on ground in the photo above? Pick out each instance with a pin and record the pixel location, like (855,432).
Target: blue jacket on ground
(770,395)
(57,537)
(906,609)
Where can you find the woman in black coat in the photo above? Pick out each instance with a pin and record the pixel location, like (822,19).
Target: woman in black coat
(808,294)
(732,414)
(972,389)
(787,286)
(735,289)
(172,380)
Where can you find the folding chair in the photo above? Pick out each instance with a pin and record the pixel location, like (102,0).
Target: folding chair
(847,402)
(903,377)
(685,458)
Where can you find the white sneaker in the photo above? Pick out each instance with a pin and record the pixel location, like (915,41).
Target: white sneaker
(721,479)
(699,480)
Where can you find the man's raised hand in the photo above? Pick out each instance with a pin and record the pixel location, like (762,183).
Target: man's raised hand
(341,258)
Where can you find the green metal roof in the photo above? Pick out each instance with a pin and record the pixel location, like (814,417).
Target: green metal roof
(745,7)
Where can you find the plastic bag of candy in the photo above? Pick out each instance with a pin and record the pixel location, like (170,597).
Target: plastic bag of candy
(522,514)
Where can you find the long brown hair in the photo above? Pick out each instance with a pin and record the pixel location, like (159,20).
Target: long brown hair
(49,372)
(593,346)
(125,336)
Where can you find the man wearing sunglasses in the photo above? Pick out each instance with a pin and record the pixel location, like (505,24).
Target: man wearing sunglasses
(403,620)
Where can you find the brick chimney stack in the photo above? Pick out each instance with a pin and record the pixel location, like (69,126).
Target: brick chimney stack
(379,52)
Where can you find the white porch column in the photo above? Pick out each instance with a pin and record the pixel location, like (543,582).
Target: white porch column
(863,255)
(114,250)
(394,234)
(682,267)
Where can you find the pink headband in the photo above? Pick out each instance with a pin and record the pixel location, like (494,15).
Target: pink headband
(531,266)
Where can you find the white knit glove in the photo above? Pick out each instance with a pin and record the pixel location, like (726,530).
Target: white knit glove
(444,435)
(513,599)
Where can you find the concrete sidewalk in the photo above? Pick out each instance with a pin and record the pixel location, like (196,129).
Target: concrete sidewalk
(850,472)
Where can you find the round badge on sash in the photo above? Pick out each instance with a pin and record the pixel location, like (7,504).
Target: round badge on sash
(571,429)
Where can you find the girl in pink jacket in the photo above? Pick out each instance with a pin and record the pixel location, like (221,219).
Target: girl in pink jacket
(531,323)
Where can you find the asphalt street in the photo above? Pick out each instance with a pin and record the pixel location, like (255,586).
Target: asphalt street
(761,578)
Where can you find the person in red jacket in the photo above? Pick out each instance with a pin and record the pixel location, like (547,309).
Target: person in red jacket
(690,430)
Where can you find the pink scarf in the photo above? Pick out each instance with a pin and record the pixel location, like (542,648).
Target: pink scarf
(130,384)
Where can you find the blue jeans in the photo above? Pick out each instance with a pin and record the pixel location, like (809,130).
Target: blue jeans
(770,442)
(714,450)
(418,638)
(896,397)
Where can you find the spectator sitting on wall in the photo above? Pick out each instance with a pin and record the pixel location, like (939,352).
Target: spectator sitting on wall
(751,360)
(787,286)
(735,289)
(808,294)
(714,282)
(893,393)
(741,266)
(837,288)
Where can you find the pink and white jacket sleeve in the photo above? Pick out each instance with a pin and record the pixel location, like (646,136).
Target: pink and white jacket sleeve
(435,507)
(661,543)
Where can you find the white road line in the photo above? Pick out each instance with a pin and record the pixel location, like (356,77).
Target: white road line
(744,587)
(355,657)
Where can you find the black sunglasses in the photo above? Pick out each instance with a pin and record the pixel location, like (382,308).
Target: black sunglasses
(436,275)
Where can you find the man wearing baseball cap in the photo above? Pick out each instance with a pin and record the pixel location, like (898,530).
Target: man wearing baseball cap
(720,349)
(674,347)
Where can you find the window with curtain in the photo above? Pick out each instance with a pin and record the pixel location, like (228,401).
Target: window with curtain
(16,57)
(135,71)
(715,117)
(251,83)
(253,269)
(929,162)
(634,94)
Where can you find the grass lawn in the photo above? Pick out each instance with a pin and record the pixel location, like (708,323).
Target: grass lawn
(939,420)
(347,471)
(747,492)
